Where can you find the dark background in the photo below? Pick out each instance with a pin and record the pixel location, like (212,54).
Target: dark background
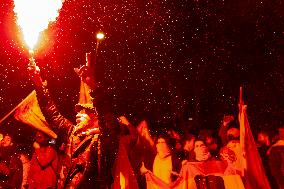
(162,60)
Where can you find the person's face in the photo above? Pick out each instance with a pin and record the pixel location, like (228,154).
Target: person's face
(209,140)
(7,141)
(82,117)
(178,146)
(41,138)
(200,147)
(162,145)
(190,144)
(233,134)
(199,144)
(261,138)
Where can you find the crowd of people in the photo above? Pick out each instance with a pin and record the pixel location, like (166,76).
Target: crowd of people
(210,156)
(142,160)
(103,151)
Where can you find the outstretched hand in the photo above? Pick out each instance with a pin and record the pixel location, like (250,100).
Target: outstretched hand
(123,120)
(36,145)
(87,75)
(227,119)
(34,73)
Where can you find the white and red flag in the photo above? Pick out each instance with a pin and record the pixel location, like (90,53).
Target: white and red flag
(252,167)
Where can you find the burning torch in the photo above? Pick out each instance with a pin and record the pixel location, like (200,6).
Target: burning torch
(33,17)
(32,62)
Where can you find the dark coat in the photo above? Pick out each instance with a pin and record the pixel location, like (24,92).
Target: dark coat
(11,168)
(101,151)
(276,164)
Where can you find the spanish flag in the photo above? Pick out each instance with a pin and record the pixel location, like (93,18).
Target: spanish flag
(28,112)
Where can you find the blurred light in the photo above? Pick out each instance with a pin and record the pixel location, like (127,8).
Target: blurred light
(33,17)
(100,36)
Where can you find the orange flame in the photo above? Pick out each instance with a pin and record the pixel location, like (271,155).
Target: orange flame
(33,16)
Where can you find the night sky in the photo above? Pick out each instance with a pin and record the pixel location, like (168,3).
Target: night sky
(162,60)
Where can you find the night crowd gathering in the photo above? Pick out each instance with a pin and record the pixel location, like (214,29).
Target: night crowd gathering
(135,94)
(105,151)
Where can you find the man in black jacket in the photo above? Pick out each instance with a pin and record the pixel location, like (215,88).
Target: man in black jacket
(276,159)
(91,142)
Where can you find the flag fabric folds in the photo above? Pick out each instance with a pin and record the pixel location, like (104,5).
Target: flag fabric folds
(124,177)
(191,170)
(28,112)
(84,96)
(252,167)
(154,182)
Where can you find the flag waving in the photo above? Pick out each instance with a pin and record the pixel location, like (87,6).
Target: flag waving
(28,112)
(252,167)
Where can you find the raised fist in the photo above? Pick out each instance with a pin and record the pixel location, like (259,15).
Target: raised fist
(123,120)
(87,75)
(227,119)
(34,73)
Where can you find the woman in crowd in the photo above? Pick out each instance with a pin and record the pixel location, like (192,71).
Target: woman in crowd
(166,165)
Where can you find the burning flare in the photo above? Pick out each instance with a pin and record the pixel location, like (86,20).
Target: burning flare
(33,16)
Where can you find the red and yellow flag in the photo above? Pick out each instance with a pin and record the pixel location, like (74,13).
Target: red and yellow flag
(28,112)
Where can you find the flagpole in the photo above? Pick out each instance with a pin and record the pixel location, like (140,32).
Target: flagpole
(241,101)
(7,115)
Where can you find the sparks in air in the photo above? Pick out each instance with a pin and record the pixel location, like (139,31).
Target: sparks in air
(33,16)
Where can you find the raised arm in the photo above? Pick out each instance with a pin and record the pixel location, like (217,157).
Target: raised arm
(48,107)
(224,127)
(144,133)
(133,132)
(86,73)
